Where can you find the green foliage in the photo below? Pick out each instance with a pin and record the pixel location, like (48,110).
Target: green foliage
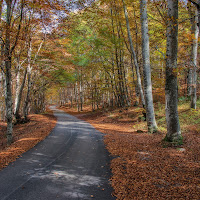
(182,99)
(100,59)
(80,60)
(61,77)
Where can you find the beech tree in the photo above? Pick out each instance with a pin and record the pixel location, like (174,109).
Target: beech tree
(197,5)
(10,43)
(134,55)
(19,90)
(171,89)
(193,56)
(151,122)
(16,15)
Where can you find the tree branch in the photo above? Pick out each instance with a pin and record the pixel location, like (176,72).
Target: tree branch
(19,26)
(161,14)
(195,3)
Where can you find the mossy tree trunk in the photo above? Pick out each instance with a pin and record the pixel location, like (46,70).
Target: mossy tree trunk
(171,89)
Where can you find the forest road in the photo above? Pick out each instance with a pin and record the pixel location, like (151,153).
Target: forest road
(70,164)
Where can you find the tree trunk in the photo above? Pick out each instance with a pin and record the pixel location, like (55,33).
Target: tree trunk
(71,98)
(2,102)
(193,59)
(171,89)
(151,122)
(77,96)
(29,71)
(197,4)
(134,55)
(2,73)
(18,97)
(189,82)
(81,94)
(17,86)
(8,78)
(8,63)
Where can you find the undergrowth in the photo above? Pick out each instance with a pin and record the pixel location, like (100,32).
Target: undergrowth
(189,118)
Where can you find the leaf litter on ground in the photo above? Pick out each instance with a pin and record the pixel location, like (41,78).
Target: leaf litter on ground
(25,136)
(142,168)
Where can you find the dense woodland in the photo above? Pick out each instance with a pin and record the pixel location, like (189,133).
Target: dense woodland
(106,54)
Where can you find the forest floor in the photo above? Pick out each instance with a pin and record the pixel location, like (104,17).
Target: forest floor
(25,136)
(144,167)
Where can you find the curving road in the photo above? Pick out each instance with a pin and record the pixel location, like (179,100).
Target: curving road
(70,164)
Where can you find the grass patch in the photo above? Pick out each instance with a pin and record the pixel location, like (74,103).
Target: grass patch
(187,116)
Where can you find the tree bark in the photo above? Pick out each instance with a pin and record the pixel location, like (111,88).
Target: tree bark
(2,72)
(2,101)
(189,82)
(71,98)
(197,4)
(8,78)
(29,71)
(19,90)
(151,122)
(77,96)
(134,55)
(81,92)
(193,59)
(171,89)
(118,83)
(7,53)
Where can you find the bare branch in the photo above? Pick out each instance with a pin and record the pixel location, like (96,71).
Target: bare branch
(2,40)
(161,14)
(19,26)
(195,3)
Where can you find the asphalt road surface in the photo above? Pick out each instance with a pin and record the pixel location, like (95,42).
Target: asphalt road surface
(70,164)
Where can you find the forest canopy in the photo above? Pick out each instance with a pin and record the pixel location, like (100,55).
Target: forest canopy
(105,53)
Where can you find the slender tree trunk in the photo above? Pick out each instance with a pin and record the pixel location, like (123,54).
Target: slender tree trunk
(77,97)
(2,71)
(8,63)
(134,55)
(197,4)
(126,95)
(2,103)
(171,89)
(71,98)
(118,63)
(1,33)
(137,94)
(136,32)
(151,122)
(193,60)
(189,82)
(8,98)
(18,97)
(17,85)
(81,93)
(198,11)
(93,99)
(29,71)
(8,78)
(81,97)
